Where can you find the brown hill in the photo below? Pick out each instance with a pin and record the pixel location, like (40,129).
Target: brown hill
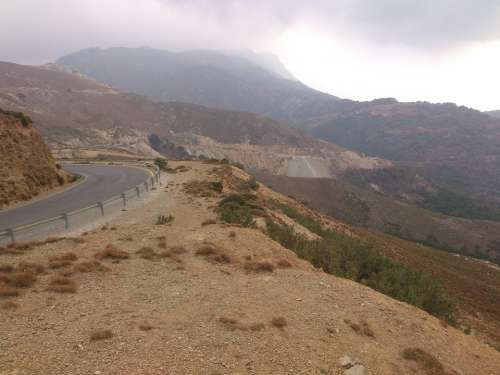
(74,112)
(457,147)
(200,295)
(27,166)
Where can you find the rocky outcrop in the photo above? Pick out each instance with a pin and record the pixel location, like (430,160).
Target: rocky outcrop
(27,166)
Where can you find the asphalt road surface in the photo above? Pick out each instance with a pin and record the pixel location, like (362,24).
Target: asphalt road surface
(103,182)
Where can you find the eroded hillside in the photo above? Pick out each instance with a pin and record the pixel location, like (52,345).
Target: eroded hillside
(206,290)
(75,113)
(27,167)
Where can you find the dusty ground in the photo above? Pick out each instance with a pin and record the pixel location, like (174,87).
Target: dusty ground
(183,313)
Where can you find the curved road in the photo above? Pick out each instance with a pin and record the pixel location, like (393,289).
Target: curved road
(103,182)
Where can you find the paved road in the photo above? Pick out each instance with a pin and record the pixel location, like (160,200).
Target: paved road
(102,183)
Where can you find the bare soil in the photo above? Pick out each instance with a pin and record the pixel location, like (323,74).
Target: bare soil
(167,311)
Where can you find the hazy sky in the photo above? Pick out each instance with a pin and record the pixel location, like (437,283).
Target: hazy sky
(435,50)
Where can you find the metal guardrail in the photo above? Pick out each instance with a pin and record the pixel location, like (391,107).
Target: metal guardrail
(69,220)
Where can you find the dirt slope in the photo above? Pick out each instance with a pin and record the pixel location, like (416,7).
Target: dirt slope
(27,167)
(178,308)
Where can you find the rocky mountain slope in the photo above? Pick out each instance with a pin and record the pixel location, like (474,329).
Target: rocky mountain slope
(494,113)
(370,206)
(27,166)
(203,295)
(457,147)
(74,112)
(215,79)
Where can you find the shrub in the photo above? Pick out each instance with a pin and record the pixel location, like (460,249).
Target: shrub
(427,361)
(7,291)
(354,259)
(279,322)
(237,209)
(251,184)
(101,335)
(260,266)
(24,119)
(161,163)
(62,284)
(162,219)
(111,252)
(217,186)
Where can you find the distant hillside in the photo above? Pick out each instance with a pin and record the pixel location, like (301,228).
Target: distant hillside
(74,112)
(456,146)
(27,166)
(494,113)
(373,206)
(241,80)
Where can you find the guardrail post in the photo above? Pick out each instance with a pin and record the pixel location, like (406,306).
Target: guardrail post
(101,206)
(124,197)
(138,191)
(12,235)
(66,220)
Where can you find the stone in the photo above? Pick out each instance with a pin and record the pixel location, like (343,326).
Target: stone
(355,370)
(346,362)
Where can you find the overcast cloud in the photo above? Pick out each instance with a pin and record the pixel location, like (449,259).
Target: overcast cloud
(437,50)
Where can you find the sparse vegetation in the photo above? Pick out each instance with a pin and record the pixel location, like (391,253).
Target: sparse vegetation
(235,324)
(208,222)
(111,252)
(251,184)
(352,258)
(65,260)
(362,328)
(24,119)
(213,254)
(427,361)
(164,219)
(239,209)
(10,305)
(162,164)
(90,266)
(279,322)
(101,335)
(62,284)
(259,266)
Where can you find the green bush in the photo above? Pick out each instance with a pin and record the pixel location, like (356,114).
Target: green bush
(217,186)
(251,184)
(238,209)
(161,163)
(25,119)
(162,219)
(343,256)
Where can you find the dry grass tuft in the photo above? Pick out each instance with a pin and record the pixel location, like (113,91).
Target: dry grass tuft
(6,268)
(91,266)
(178,250)
(259,266)
(213,254)
(147,253)
(427,361)
(361,329)
(234,324)
(206,250)
(283,263)
(208,222)
(279,322)
(7,291)
(145,327)
(232,234)
(111,252)
(61,284)
(101,335)
(34,268)
(10,305)
(20,279)
(61,261)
